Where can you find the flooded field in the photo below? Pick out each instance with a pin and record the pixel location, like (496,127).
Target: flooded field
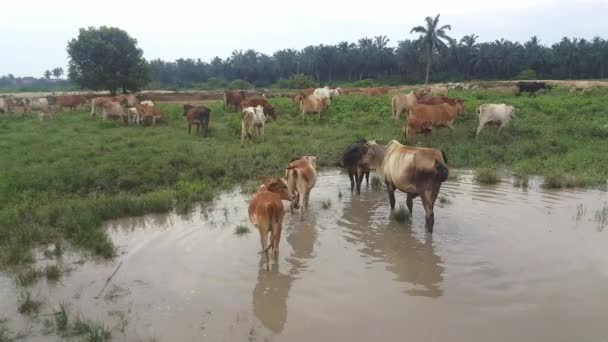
(504,264)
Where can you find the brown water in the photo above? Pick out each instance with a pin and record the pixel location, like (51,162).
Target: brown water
(504,264)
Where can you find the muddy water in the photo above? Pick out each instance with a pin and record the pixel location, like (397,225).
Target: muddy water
(504,264)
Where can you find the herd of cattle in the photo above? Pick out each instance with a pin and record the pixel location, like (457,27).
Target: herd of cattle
(417,171)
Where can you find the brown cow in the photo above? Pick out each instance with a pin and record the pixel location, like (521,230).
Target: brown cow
(374,91)
(198,116)
(417,172)
(301,175)
(234,99)
(70,101)
(96,104)
(268,108)
(149,112)
(113,110)
(435,100)
(266,212)
(314,104)
(423,118)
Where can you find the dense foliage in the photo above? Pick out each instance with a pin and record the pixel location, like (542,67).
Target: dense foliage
(373,58)
(106,58)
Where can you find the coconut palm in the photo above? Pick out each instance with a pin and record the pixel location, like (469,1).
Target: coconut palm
(431,39)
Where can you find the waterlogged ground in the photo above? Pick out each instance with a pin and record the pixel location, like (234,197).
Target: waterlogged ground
(504,264)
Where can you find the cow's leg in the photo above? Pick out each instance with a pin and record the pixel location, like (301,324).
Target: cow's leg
(427,203)
(479,128)
(264,242)
(262,132)
(390,187)
(306,197)
(189,127)
(410,201)
(367,178)
(243,132)
(360,175)
(351,176)
(501,126)
(276,238)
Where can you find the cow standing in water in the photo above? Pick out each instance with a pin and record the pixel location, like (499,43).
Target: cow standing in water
(417,172)
(301,175)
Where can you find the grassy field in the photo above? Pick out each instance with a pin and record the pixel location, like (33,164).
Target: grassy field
(60,179)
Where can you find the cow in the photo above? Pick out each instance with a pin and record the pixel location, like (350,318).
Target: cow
(112,110)
(323,92)
(133,115)
(401,103)
(308,91)
(435,100)
(198,116)
(147,103)
(70,101)
(336,91)
(359,158)
(148,112)
(253,120)
(268,108)
(266,212)
(494,114)
(374,91)
(6,105)
(417,172)
(530,87)
(438,90)
(37,104)
(233,98)
(423,118)
(96,104)
(314,104)
(582,86)
(301,175)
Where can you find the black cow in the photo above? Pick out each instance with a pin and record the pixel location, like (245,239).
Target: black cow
(530,87)
(351,160)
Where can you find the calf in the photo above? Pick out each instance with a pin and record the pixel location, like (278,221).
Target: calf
(494,114)
(233,99)
(351,158)
(147,103)
(198,116)
(401,103)
(150,113)
(253,120)
(314,104)
(113,110)
(266,212)
(96,104)
(301,175)
(268,108)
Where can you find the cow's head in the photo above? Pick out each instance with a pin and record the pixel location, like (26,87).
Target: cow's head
(187,108)
(279,186)
(269,111)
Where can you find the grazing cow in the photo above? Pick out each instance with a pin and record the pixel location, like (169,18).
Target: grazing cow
(417,172)
(301,175)
(530,87)
(323,92)
(147,103)
(113,110)
(436,100)
(70,101)
(314,104)
(438,90)
(374,91)
(96,104)
(152,113)
(133,115)
(495,115)
(268,108)
(423,118)
(37,104)
(582,86)
(252,121)
(198,116)
(266,212)
(401,103)
(6,105)
(233,98)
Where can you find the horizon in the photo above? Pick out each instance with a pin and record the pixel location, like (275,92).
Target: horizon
(191,35)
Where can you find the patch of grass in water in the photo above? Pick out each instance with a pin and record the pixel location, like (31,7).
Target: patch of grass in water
(28,277)
(61,318)
(559,181)
(520,181)
(376,183)
(486,176)
(52,272)
(400,215)
(28,305)
(339,194)
(91,331)
(326,204)
(444,200)
(4,332)
(241,230)
(601,217)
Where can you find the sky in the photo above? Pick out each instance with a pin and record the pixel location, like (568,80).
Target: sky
(34,33)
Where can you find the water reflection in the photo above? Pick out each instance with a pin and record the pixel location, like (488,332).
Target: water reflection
(413,261)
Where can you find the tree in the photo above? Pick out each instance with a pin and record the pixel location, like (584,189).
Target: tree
(106,58)
(57,72)
(431,39)
(47,74)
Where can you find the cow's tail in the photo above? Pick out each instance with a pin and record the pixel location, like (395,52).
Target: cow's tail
(292,178)
(442,168)
(393,107)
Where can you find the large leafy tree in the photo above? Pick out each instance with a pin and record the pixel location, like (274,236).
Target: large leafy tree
(106,58)
(431,37)
(57,72)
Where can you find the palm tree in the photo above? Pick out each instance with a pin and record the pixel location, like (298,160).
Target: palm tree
(431,39)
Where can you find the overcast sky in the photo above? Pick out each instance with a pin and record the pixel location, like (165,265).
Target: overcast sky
(34,33)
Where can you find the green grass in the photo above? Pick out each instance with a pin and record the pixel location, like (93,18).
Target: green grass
(61,179)
(376,183)
(401,214)
(90,331)
(5,335)
(52,272)
(28,305)
(61,318)
(241,230)
(487,176)
(28,276)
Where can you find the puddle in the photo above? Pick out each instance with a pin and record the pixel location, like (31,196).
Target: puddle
(504,264)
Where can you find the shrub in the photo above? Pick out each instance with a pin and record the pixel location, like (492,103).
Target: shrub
(240,84)
(486,176)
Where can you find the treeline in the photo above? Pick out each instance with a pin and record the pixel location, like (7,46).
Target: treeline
(10,83)
(373,58)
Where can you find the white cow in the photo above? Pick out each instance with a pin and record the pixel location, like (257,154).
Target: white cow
(323,92)
(494,114)
(37,104)
(6,105)
(253,120)
(582,86)
(335,92)
(401,103)
(147,103)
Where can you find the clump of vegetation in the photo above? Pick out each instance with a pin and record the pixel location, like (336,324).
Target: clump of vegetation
(326,204)
(520,181)
(561,180)
(297,81)
(376,183)
(52,272)
(601,217)
(90,330)
(486,176)
(28,276)
(4,332)
(339,194)
(240,85)
(61,318)
(241,230)
(401,214)
(27,304)
(444,200)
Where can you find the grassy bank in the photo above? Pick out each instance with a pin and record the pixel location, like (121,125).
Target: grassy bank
(60,179)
